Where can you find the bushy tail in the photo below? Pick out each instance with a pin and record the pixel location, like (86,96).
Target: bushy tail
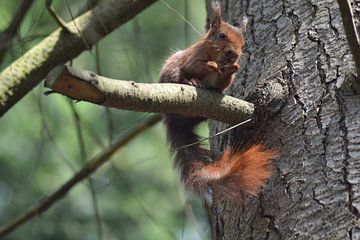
(236,175)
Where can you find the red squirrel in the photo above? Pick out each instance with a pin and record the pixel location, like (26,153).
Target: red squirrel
(211,63)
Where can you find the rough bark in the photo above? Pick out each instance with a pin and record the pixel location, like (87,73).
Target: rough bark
(148,97)
(352,37)
(315,191)
(61,46)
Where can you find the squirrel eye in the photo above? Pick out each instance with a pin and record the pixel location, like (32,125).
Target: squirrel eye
(222,36)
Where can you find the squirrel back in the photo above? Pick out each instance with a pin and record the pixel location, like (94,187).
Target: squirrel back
(211,63)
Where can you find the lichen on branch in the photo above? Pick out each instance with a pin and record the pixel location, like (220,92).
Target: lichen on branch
(147,97)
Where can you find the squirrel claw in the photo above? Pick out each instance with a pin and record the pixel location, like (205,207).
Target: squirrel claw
(234,67)
(192,82)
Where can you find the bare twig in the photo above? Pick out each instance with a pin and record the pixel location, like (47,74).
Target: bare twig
(189,213)
(181,16)
(350,32)
(110,124)
(7,35)
(79,132)
(186,26)
(26,39)
(83,173)
(50,138)
(140,201)
(83,156)
(148,97)
(215,135)
(143,49)
(78,30)
(87,5)
(95,203)
(108,114)
(56,17)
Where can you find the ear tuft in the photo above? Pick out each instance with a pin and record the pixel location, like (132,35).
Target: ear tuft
(217,15)
(216,6)
(243,24)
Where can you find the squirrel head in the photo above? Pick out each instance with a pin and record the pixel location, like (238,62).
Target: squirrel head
(227,40)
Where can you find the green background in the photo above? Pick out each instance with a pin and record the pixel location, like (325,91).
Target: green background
(138,191)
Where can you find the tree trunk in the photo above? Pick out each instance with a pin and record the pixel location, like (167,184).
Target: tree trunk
(314,191)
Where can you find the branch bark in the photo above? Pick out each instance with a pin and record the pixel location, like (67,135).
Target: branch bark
(147,97)
(60,46)
(83,173)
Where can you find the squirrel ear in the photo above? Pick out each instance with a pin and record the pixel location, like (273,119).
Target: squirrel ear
(243,24)
(217,18)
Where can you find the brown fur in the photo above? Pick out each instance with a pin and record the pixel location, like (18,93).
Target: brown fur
(211,63)
(236,175)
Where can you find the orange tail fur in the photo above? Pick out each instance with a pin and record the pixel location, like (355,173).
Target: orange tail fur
(236,175)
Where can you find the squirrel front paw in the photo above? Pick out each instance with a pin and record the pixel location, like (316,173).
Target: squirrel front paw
(213,66)
(231,69)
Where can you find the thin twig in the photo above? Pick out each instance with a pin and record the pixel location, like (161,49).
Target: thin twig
(99,224)
(56,17)
(181,16)
(95,203)
(77,27)
(215,135)
(78,130)
(140,44)
(62,23)
(83,156)
(189,213)
(7,35)
(26,39)
(186,26)
(108,114)
(83,173)
(89,4)
(130,189)
(110,124)
(50,138)
(350,32)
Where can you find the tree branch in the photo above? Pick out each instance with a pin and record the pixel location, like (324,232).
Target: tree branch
(350,32)
(60,46)
(147,97)
(86,171)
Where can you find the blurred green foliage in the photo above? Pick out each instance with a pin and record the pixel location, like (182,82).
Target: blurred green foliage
(138,192)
